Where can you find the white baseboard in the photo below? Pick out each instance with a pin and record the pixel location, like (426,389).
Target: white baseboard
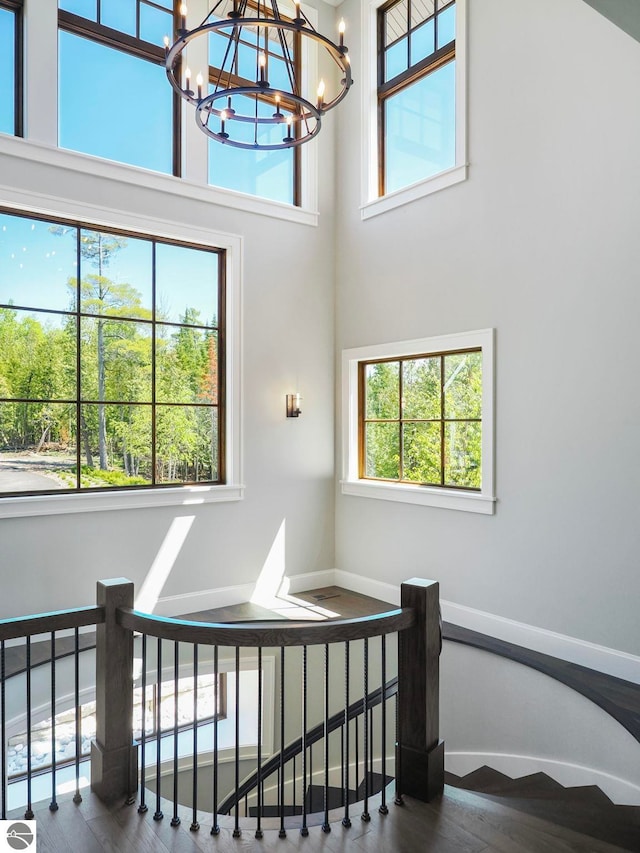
(603,659)
(225,596)
(620,791)
(204,599)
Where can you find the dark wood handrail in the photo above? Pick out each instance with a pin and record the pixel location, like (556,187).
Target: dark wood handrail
(44,623)
(270,633)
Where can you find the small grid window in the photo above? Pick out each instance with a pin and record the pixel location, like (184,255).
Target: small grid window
(111,359)
(421,419)
(416,91)
(11,67)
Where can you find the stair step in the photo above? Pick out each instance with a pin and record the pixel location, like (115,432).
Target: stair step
(478,780)
(335,796)
(274,811)
(619,825)
(376,783)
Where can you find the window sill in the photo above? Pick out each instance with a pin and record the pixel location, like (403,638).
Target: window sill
(74,161)
(30,505)
(421,495)
(413,192)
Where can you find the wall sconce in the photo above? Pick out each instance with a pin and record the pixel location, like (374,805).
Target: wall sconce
(293,405)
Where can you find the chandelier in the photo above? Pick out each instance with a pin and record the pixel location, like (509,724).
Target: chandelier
(256,95)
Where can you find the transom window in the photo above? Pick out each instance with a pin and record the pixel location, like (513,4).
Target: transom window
(111,359)
(11,67)
(107,47)
(421,419)
(416,91)
(268,174)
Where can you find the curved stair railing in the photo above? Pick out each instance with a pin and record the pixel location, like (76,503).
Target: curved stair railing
(337,721)
(305,676)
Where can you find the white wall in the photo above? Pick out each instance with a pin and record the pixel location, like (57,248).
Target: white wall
(521,721)
(288,345)
(540,243)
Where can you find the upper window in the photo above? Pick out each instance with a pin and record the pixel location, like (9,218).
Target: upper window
(419,421)
(11,67)
(111,359)
(416,90)
(268,174)
(414,101)
(107,48)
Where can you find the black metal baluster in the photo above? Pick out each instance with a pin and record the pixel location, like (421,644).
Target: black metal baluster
(282,833)
(28,815)
(326,826)
(53,805)
(215,829)
(236,828)
(175,820)
(194,794)
(259,822)
(142,808)
(346,820)
(371,740)
(158,709)
(365,726)
(304,830)
(398,798)
(293,783)
(383,700)
(3,731)
(77,797)
(357,726)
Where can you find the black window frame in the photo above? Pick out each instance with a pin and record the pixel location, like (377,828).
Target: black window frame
(220,405)
(17,7)
(416,71)
(133,46)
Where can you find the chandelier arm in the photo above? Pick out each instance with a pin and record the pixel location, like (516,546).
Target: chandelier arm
(234,38)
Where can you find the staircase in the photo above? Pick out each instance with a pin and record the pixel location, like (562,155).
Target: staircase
(585,809)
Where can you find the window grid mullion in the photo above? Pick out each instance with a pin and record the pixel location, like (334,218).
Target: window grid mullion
(401,414)
(79,412)
(442,414)
(153,363)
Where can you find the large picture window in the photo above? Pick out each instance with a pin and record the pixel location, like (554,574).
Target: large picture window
(416,91)
(11,67)
(111,359)
(108,48)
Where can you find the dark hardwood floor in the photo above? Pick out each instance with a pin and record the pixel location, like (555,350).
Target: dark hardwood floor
(459,822)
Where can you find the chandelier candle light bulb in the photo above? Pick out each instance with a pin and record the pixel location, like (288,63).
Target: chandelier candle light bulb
(341,29)
(321,88)
(183,16)
(199,81)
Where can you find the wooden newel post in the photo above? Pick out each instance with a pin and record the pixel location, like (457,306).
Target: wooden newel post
(420,752)
(114,755)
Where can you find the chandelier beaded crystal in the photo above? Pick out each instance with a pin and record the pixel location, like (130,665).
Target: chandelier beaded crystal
(255,97)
